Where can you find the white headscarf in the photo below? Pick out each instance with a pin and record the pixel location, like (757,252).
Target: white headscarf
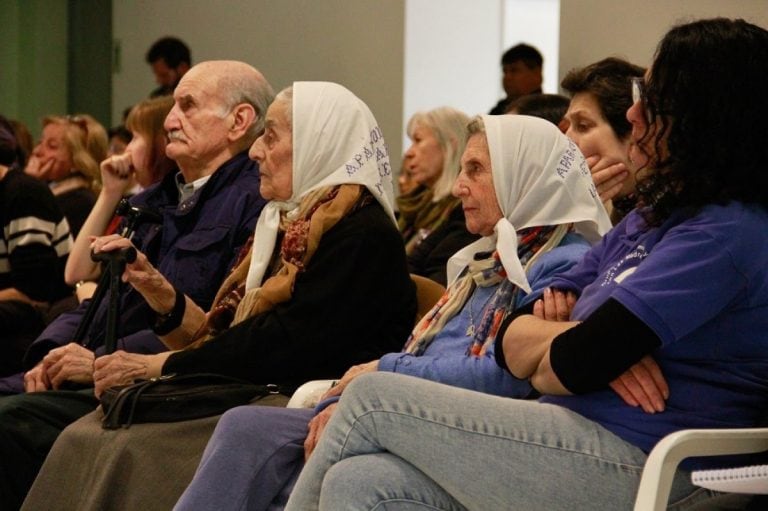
(336,140)
(540,178)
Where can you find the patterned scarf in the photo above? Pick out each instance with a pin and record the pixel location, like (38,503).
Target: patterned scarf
(484,272)
(300,238)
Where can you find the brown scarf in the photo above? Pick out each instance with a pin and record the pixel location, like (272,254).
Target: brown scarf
(300,239)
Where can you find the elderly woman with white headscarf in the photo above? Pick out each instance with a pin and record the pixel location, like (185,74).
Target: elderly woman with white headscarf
(324,286)
(532,199)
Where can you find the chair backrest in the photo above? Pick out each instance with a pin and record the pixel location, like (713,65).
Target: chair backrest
(428,292)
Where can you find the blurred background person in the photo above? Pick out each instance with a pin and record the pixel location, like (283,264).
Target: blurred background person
(119,137)
(34,244)
(521,74)
(170,59)
(68,158)
(25,141)
(550,107)
(431,219)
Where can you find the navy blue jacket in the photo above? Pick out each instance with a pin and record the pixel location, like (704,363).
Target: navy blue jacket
(194,247)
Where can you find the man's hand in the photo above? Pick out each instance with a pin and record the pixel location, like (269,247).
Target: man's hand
(352,373)
(119,368)
(643,385)
(35,380)
(70,362)
(608,175)
(316,428)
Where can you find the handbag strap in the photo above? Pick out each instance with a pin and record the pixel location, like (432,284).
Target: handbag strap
(131,392)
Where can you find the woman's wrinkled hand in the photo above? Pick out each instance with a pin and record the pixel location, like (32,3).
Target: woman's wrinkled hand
(119,368)
(153,286)
(352,373)
(316,428)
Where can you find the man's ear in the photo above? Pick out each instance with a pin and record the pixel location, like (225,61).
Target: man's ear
(243,117)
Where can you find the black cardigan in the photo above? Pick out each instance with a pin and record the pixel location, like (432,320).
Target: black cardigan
(353,303)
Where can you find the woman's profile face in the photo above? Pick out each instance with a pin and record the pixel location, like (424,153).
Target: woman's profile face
(594,136)
(274,152)
(424,158)
(53,150)
(474,186)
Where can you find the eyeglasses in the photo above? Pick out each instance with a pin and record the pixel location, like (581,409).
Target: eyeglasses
(638,89)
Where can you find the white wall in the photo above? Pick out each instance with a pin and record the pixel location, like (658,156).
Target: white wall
(453,50)
(594,29)
(358,43)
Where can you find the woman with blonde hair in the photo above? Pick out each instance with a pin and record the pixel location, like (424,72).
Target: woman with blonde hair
(431,219)
(68,158)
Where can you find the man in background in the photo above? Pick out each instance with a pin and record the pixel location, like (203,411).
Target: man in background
(170,59)
(521,68)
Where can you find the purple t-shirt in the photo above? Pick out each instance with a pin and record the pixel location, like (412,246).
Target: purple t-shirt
(701,284)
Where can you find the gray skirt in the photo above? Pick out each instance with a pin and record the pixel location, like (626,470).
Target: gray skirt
(146,466)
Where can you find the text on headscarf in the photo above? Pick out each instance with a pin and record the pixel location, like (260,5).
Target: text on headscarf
(376,147)
(566,163)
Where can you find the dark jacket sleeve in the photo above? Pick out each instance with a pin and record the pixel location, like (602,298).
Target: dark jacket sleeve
(430,257)
(353,303)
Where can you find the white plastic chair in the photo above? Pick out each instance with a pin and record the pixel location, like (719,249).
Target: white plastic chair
(656,482)
(308,394)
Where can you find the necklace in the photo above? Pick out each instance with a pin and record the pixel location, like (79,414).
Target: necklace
(471,328)
(470,332)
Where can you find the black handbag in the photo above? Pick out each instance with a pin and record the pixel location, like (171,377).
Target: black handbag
(177,397)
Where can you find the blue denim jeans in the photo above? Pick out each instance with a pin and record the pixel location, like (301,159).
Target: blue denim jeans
(403,443)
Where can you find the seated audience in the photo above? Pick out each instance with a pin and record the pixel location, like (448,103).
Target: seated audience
(551,107)
(34,244)
(431,220)
(25,141)
(142,163)
(119,138)
(170,59)
(67,158)
(532,221)
(597,122)
(681,280)
(337,294)
(207,212)
(521,67)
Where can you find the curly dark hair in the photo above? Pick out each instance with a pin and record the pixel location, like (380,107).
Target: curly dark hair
(610,82)
(706,95)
